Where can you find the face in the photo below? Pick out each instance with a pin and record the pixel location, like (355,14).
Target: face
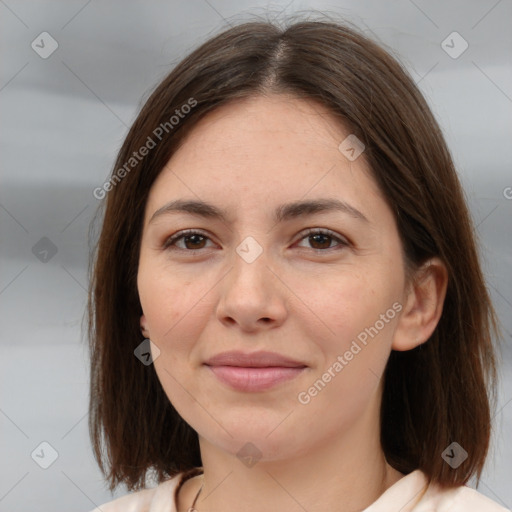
(270,265)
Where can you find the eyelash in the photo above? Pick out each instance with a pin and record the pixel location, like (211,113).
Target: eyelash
(169,243)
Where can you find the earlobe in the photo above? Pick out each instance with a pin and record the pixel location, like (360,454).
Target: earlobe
(423,306)
(143,326)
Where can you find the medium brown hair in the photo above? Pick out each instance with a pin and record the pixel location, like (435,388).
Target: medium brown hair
(438,393)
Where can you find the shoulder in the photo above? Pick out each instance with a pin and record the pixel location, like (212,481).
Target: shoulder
(157,499)
(459,499)
(413,494)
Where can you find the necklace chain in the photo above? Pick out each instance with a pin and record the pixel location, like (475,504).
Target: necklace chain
(192,507)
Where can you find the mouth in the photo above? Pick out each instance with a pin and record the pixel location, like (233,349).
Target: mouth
(254,379)
(254,372)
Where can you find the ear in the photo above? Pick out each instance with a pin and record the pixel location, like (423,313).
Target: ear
(143,326)
(423,305)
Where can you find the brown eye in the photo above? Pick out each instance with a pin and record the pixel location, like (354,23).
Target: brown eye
(187,241)
(321,240)
(194,241)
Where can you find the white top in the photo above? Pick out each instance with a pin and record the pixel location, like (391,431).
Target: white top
(405,495)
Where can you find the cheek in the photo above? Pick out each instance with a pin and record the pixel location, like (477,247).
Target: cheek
(354,352)
(346,302)
(358,321)
(177,309)
(168,299)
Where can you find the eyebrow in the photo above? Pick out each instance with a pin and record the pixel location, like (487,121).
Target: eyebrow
(282,213)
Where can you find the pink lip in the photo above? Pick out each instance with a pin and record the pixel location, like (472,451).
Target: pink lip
(253,372)
(254,379)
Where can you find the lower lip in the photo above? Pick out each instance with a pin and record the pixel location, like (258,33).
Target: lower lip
(254,379)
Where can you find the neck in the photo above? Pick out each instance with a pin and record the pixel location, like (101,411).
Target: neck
(348,472)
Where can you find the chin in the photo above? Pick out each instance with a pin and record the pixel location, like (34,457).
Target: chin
(267,436)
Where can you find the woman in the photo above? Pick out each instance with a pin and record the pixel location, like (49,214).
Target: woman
(287,310)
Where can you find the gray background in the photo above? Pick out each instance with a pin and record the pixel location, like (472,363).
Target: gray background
(63,120)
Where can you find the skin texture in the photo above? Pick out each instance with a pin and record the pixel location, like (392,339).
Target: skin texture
(248,158)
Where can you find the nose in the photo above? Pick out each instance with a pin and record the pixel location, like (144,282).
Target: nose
(252,297)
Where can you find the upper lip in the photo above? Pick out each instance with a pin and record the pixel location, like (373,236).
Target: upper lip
(260,359)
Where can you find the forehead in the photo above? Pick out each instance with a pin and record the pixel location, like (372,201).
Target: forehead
(264,148)
(293,125)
